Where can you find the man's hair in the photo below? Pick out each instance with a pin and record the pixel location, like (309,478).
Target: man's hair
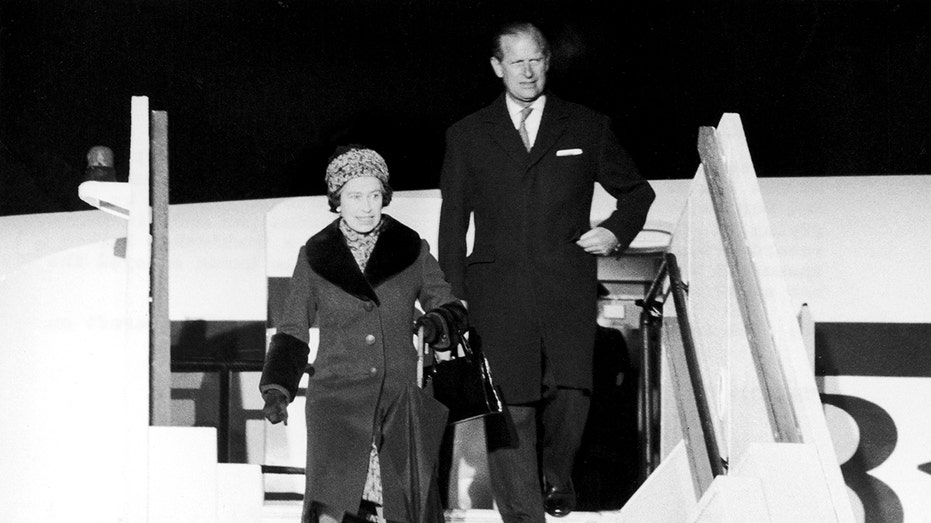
(518,28)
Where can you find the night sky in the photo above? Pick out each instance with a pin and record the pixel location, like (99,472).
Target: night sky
(259,92)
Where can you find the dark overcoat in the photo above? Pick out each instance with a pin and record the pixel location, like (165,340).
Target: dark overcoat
(526,281)
(365,354)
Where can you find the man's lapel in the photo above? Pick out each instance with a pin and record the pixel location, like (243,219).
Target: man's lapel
(502,131)
(554,123)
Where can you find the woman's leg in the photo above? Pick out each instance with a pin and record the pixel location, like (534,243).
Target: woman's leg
(320,513)
(326,517)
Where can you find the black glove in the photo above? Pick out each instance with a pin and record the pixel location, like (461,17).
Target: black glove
(444,325)
(276,406)
(435,332)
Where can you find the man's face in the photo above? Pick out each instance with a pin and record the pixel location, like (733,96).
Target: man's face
(522,67)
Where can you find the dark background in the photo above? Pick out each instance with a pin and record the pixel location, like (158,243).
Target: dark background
(259,92)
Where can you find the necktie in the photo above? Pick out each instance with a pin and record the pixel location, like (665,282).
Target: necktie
(524,113)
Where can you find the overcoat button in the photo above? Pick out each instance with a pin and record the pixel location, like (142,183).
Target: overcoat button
(370,339)
(368,306)
(373,371)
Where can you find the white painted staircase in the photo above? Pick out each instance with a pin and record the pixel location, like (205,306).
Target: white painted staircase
(187,484)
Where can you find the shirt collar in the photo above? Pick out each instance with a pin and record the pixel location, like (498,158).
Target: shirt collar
(514,108)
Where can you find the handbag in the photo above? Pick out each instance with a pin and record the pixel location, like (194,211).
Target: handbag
(463,383)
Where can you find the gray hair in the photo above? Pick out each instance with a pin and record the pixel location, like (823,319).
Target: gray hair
(515,29)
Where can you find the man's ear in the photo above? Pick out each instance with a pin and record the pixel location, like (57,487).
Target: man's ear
(497,66)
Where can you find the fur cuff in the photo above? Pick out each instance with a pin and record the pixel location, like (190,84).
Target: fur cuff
(285,363)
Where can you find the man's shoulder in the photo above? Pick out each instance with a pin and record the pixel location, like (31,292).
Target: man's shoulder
(573,109)
(486,114)
(467,122)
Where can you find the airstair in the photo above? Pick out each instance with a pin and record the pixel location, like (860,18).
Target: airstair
(732,426)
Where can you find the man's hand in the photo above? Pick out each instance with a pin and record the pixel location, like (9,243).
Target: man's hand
(598,241)
(276,406)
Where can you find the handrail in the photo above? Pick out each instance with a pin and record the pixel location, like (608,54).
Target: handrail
(282,469)
(214,365)
(651,321)
(679,290)
(651,318)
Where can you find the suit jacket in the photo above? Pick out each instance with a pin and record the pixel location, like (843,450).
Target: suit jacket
(365,348)
(526,281)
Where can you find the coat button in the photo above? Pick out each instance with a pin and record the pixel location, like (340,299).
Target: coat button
(370,339)
(368,306)
(373,371)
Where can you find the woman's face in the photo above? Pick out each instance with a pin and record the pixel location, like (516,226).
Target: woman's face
(360,203)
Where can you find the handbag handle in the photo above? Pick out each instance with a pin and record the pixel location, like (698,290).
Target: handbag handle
(467,352)
(466,346)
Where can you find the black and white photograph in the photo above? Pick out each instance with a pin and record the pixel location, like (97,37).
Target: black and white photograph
(472,261)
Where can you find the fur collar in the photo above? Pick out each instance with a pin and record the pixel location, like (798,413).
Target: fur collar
(397,248)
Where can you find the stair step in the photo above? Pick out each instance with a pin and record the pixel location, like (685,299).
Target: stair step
(182,474)
(290,511)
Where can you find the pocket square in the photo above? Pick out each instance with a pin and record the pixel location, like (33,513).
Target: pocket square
(568,152)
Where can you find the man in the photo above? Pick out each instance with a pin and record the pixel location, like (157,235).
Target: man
(530,282)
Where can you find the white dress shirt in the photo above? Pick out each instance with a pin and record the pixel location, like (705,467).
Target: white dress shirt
(533,120)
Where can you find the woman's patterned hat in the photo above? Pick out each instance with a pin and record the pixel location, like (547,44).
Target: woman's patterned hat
(355,163)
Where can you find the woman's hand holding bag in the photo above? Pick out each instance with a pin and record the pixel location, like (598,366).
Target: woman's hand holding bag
(461,382)
(442,326)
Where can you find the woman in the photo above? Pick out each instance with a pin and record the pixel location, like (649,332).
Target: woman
(358,280)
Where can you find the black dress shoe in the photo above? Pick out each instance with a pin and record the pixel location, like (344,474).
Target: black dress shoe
(559,502)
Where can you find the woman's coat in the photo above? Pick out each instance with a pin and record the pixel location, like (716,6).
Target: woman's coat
(365,348)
